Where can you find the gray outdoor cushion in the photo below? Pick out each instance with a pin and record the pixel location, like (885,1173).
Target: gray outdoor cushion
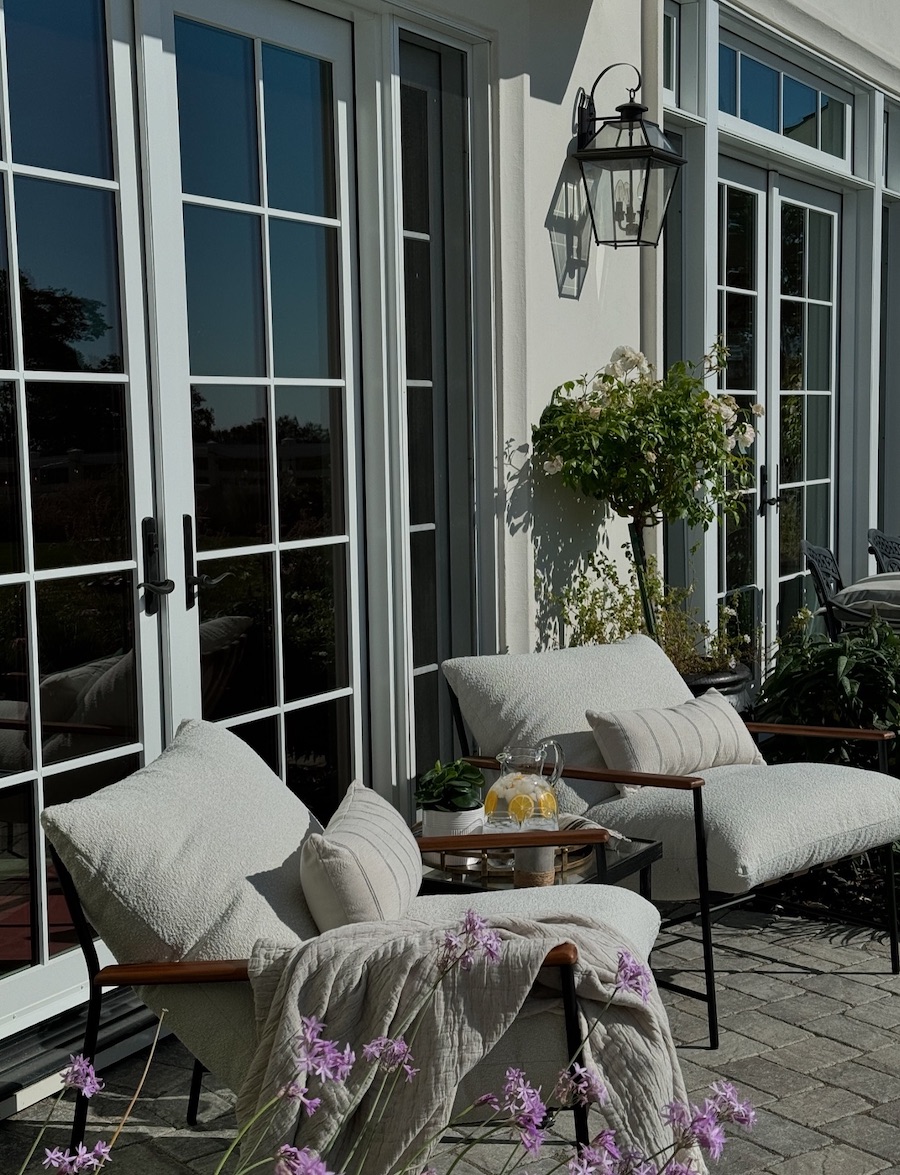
(519,699)
(195,856)
(761,823)
(874,595)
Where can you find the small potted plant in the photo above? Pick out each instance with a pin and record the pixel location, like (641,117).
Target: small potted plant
(450,796)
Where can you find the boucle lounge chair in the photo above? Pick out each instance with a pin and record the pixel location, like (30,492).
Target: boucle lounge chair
(647,759)
(184,865)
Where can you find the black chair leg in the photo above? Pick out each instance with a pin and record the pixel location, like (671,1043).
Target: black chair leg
(575,1046)
(890,893)
(194,1096)
(91,1033)
(709,968)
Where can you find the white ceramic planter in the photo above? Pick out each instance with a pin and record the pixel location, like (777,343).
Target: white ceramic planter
(437,823)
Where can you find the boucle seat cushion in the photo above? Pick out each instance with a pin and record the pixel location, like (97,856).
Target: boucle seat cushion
(762,822)
(195,856)
(519,699)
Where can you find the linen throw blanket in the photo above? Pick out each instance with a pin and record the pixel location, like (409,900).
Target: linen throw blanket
(364,979)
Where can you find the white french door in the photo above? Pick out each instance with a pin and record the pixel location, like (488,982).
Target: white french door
(249,112)
(777,289)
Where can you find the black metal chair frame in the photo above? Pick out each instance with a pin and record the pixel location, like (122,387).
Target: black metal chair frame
(128,974)
(886,549)
(710,901)
(827,580)
(86,936)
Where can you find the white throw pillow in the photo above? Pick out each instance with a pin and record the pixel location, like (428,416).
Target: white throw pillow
(679,740)
(366,865)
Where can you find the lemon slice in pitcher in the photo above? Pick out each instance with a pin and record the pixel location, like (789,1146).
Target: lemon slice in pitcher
(521,808)
(490,802)
(547,804)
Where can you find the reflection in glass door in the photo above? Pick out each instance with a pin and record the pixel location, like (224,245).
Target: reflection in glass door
(266,377)
(778,246)
(79,686)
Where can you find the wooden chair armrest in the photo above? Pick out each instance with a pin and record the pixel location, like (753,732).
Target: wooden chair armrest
(476,841)
(848,732)
(640,778)
(211,971)
(565,955)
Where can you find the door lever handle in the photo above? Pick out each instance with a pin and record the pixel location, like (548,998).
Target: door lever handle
(204,580)
(162,588)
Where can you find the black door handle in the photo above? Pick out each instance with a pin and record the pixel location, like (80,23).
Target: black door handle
(154,586)
(193,581)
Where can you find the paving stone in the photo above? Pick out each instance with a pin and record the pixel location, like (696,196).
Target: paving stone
(813,1054)
(765,1029)
(869,1134)
(743,1157)
(731,1046)
(840,987)
(872,1084)
(766,988)
(766,1074)
(889,1112)
(830,1160)
(887,1060)
(686,1028)
(863,1037)
(785,1137)
(806,1006)
(815,1107)
(697,1076)
(884,1013)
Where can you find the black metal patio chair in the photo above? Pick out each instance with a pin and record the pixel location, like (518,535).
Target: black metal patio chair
(886,549)
(827,580)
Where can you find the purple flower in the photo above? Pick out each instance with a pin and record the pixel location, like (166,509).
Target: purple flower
(462,947)
(488,1099)
(677,1114)
(392,1053)
(80,1075)
(54,1158)
(528,1112)
(730,1106)
(633,976)
(295,1092)
(579,1086)
(82,1160)
(291,1161)
(673,1167)
(606,1141)
(322,1057)
(707,1129)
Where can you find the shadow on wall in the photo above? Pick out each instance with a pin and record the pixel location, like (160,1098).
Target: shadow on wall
(568,223)
(565,532)
(555,42)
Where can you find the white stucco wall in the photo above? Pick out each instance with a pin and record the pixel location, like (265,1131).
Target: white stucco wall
(549,327)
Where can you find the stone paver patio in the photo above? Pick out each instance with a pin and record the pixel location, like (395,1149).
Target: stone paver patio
(810,1018)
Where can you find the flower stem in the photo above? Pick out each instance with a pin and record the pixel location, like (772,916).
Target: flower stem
(137,1092)
(42,1130)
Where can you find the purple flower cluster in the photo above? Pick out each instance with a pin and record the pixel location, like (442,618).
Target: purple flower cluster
(633,976)
(295,1092)
(473,939)
(392,1053)
(321,1057)
(704,1125)
(81,1160)
(579,1086)
(291,1161)
(80,1075)
(523,1104)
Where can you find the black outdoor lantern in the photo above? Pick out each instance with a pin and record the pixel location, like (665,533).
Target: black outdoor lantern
(629,169)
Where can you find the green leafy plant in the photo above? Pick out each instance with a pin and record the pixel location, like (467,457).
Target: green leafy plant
(450,787)
(852,681)
(603,604)
(652,448)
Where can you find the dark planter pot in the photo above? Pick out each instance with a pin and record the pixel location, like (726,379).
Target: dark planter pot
(726,681)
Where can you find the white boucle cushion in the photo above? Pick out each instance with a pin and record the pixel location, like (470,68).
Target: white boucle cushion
(519,699)
(195,856)
(761,823)
(675,740)
(858,602)
(365,866)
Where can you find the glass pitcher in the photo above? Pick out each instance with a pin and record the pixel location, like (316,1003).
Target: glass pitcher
(523,799)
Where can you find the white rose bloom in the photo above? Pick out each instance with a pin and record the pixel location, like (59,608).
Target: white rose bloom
(758,410)
(745,436)
(595,411)
(730,443)
(624,361)
(650,456)
(553,466)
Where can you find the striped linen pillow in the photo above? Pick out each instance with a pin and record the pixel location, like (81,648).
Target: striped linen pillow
(365,866)
(680,740)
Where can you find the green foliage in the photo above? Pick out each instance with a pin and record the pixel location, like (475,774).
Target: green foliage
(601,605)
(852,681)
(451,787)
(651,448)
